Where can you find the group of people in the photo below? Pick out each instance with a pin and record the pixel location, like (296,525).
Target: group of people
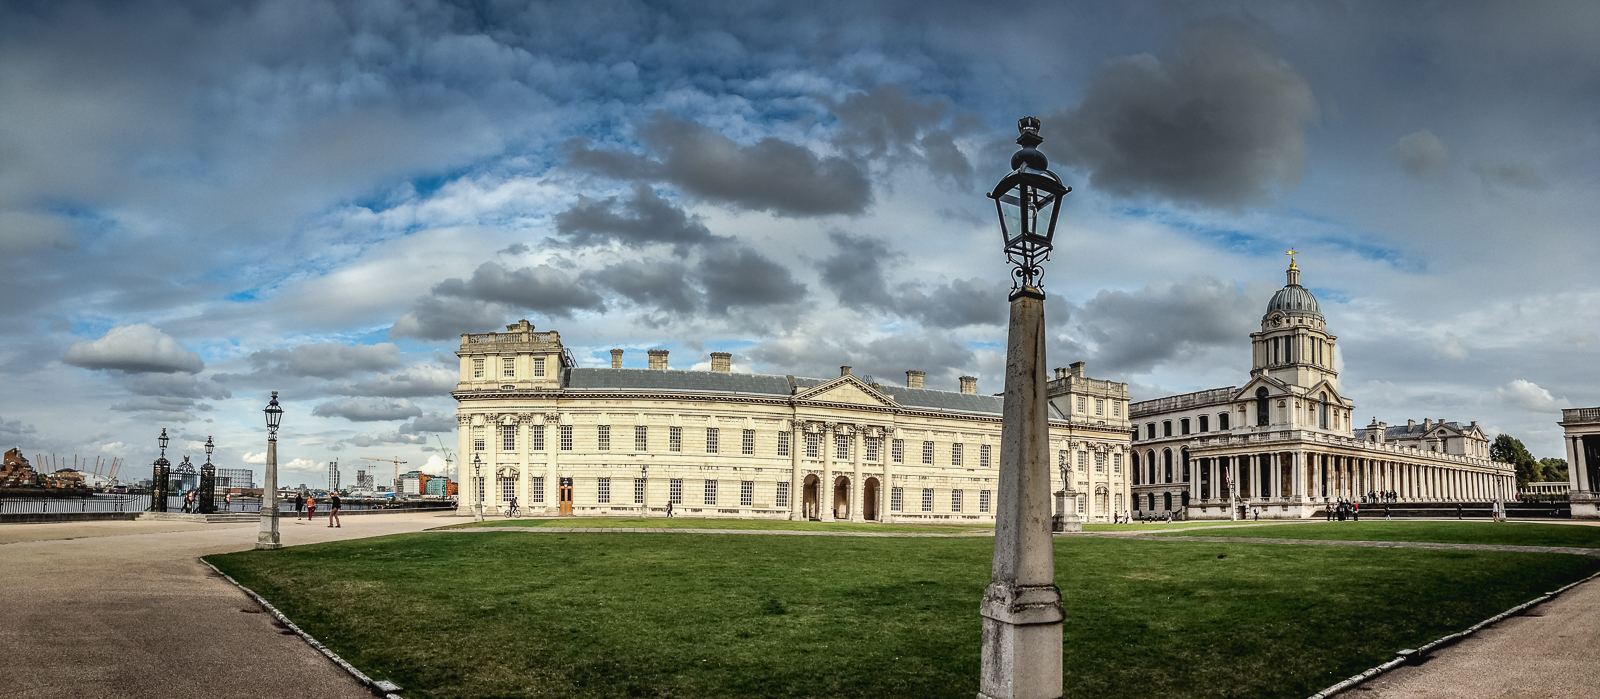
(308,503)
(191,501)
(1128,517)
(1381,496)
(1343,509)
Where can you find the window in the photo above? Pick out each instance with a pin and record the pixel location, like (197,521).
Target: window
(603,491)
(711,440)
(955,501)
(477,368)
(984,453)
(1150,430)
(1263,408)
(641,438)
(813,445)
(1116,463)
(1119,502)
(873,448)
(674,439)
(1099,462)
(538,367)
(602,437)
(1324,400)
(927,453)
(508,367)
(508,488)
(747,493)
(897,450)
(477,438)
(566,438)
(783,444)
(1222,421)
(782,499)
(675,491)
(1166,428)
(955,453)
(747,445)
(983,501)
(897,499)
(1184,425)
(1100,406)
(1081,500)
(1083,462)
(1116,408)
(638,491)
(711,492)
(508,438)
(927,499)
(1080,404)
(538,489)
(841,446)
(537,433)
(1205,423)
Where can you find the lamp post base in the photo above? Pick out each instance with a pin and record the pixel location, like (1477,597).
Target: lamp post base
(1021,642)
(477,513)
(268,539)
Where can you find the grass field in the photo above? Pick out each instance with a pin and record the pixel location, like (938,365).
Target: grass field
(1512,533)
(684,615)
(709,523)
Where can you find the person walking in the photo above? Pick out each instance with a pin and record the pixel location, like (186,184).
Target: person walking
(1355,511)
(299,504)
(333,510)
(311,508)
(512,511)
(669,510)
(227,502)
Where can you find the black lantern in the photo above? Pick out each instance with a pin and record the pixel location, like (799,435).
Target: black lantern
(274,415)
(161,473)
(208,482)
(163,440)
(1028,202)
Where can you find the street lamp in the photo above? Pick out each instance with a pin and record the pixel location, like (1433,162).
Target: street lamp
(477,486)
(161,473)
(1021,608)
(208,481)
(644,479)
(268,539)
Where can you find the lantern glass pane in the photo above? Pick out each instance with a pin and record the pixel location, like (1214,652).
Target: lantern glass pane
(1011,215)
(1046,204)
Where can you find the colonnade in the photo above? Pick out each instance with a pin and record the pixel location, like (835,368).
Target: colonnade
(1322,476)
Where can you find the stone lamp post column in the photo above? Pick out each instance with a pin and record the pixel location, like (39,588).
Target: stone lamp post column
(1021,608)
(268,539)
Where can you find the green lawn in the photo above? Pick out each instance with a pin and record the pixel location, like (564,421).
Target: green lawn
(685,615)
(710,523)
(1163,526)
(1514,533)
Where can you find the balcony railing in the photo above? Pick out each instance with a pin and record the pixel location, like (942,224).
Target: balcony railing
(1268,437)
(1580,414)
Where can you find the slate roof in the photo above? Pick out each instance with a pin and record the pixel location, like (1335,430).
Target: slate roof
(580,378)
(1294,300)
(1403,431)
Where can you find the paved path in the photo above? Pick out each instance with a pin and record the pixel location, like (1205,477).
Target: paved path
(125,609)
(1573,550)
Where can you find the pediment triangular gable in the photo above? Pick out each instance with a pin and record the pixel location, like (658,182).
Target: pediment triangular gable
(845,389)
(1333,393)
(1274,387)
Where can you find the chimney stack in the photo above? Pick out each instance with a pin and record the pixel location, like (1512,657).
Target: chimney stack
(1061,372)
(1411,425)
(844,371)
(969,384)
(1077,369)
(914,378)
(658,359)
(616,359)
(1427,424)
(721,361)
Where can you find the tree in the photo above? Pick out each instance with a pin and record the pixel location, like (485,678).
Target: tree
(1554,469)
(1508,449)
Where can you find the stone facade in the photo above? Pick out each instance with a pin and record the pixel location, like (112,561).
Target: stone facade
(611,441)
(1284,443)
(1582,435)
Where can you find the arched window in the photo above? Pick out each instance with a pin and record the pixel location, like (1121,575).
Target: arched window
(1185,498)
(1134,461)
(1152,501)
(1185,452)
(1263,408)
(1324,400)
(1222,421)
(1168,498)
(1150,459)
(1166,459)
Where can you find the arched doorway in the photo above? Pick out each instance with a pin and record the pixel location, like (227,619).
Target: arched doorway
(1167,497)
(1102,499)
(869,500)
(808,505)
(841,498)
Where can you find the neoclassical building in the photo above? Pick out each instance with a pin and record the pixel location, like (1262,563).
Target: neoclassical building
(1285,442)
(1581,432)
(565,439)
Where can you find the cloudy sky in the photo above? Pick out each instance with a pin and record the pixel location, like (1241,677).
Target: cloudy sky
(202,202)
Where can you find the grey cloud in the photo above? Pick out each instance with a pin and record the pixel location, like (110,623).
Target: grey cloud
(137,348)
(543,288)
(175,385)
(885,359)
(855,273)
(959,303)
(379,438)
(664,285)
(16,433)
(167,408)
(515,249)
(739,276)
(416,381)
(888,125)
(327,360)
(435,318)
(1421,154)
(430,422)
(368,409)
(1219,121)
(1519,175)
(646,218)
(1135,331)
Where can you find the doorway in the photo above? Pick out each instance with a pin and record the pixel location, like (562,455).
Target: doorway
(869,500)
(841,498)
(565,491)
(808,503)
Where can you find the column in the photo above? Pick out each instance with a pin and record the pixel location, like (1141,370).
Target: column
(1297,470)
(825,482)
(886,488)
(464,468)
(1577,469)
(552,458)
(858,487)
(1277,475)
(797,494)
(1215,475)
(1194,481)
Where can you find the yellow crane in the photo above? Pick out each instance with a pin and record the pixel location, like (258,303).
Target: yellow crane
(396,461)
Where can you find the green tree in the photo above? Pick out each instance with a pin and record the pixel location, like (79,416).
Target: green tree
(1554,469)
(1509,449)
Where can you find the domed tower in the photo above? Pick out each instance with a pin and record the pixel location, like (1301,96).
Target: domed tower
(1294,345)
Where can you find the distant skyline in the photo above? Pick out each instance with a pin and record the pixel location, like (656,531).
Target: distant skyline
(203,202)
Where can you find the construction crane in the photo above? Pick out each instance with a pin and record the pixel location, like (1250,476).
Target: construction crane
(449,458)
(396,461)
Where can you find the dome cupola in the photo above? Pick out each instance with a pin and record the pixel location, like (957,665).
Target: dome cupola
(1294,299)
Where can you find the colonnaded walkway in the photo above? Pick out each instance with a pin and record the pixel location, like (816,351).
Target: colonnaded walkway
(126,609)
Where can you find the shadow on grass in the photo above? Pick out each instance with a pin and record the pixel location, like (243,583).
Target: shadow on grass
(1447,532)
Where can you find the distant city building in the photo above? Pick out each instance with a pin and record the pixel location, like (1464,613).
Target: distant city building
(1582,426)
(15,471)
(236,478)
(333,475)
(1547,488)
(363,479)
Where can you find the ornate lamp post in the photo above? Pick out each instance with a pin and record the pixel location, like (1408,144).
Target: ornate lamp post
(644,477)
(1022,606)
(159,477)
(268,539)
(208,481)
(477,487)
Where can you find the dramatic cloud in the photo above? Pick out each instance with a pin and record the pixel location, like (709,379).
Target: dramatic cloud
(430,422)
(368,409)
(543,288)
(412,382)
(1220,122)
(435,318)
(885,359)
(856,275)
(135,349)
(738,276)
(374,439)
(1421,154)
(16,433)
(327,360)
(888,125)
(1528,396)
(646,218)
(663,285)
(960,303)
(1136,331)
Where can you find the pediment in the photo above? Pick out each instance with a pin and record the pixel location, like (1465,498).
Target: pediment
(846,389)
(1275,388)
(1315,392)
